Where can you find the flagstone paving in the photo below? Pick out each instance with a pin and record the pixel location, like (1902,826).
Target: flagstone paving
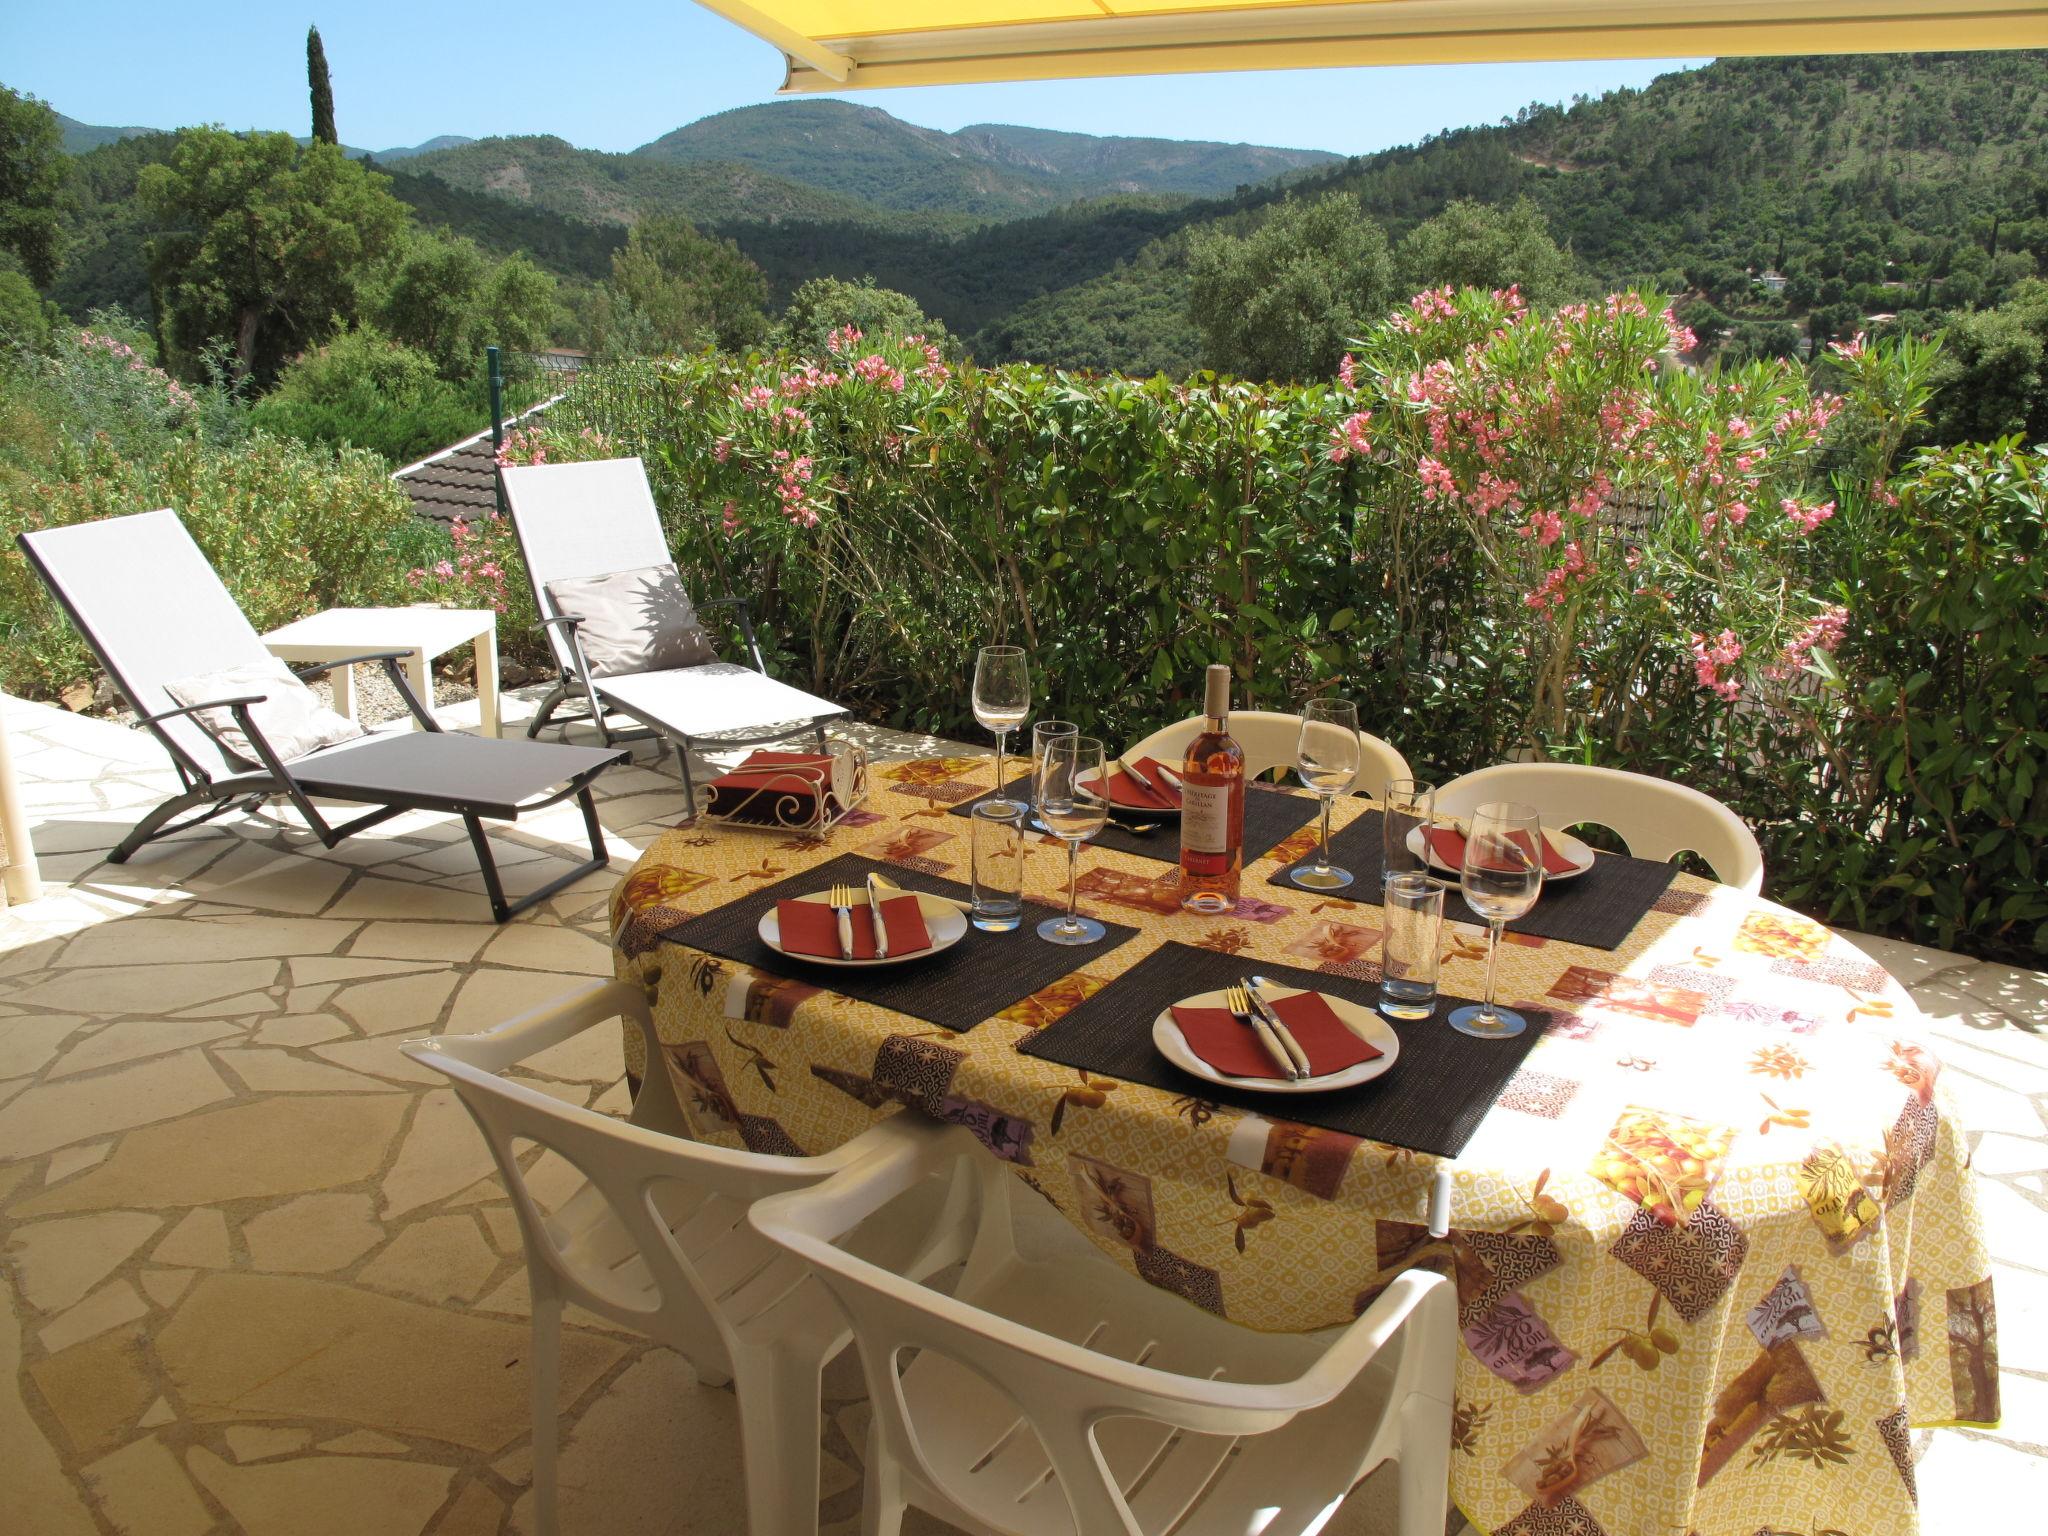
(263,1280)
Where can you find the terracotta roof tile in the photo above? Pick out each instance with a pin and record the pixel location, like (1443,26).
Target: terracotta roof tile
(460,481)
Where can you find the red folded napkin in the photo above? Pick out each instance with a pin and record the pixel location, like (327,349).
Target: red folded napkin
(1137,796)
(1215,1035)
(1448,844)
(753,790)
(812,928)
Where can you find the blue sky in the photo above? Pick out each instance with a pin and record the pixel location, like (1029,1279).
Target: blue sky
(615,73)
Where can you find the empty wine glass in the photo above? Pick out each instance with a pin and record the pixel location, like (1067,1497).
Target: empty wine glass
(1072,789)
(1002,698)
(1042,732)
(1501,878)
(1327,758)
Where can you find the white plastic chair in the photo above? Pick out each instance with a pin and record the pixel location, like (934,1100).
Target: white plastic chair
(1269,741)
(1050,1397)
(656,1240)
(1656,818)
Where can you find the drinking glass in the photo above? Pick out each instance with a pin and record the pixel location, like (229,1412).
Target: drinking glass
(1409,804)
(1327,758)
(1411,949)
(1073,803)
(998,869)
(1502,875)
(1002,698)
(1041,733)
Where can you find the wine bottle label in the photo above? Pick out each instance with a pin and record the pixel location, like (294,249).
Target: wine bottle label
(1205,817)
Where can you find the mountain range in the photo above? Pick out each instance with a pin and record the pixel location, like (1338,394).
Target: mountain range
(1072,248)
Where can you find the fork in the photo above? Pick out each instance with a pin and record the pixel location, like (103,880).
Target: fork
(1239,1002)
(842,903)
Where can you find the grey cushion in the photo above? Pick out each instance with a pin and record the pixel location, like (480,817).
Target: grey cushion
(633,621)
(291,716)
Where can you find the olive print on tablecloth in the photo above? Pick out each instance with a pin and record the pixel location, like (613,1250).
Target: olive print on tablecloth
(1667,1163)
(1692,978)
(1567,1517)
(916,1069)
(1006,1136)
(699,1082)
(1588,1440)
(1515,1343)
(1769,1387)
(1114,1201)
(1973,1352)
(1691,1264)
(1895,1430)
(765,1135)
(1786,1312)
(1831,1182)
(1310,1158)
(1543,1094)
(767,1000)
(1906,1322)
(861,1089)
(1183,1277)
(1837,970)
(1680,903)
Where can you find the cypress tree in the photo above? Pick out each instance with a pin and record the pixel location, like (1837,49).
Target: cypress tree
(323,89)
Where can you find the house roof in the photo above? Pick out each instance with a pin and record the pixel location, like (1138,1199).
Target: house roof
(461,481)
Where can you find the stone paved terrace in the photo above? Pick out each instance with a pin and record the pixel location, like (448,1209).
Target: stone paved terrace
(263,1279)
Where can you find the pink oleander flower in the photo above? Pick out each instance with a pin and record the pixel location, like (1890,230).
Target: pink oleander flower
(1349,438)
(1493,493)
(1437,482)
(1806,519)
(1852,348)
(1347,372)
(1545,527)
(722,449)
(842,340)
(729,519)
(444,570)
(877,369)
(1823,633)
(1710,656)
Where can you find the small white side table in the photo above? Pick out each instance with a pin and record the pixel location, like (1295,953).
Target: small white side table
(423,632)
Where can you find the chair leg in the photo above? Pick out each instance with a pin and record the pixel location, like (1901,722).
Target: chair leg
(156,823)
(779,1418)
(689,785)
(882,1506)
(547,1413)
(1423,1463)
(548,706)
(494,888)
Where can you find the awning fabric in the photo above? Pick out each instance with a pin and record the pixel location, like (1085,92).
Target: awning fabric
(841,45)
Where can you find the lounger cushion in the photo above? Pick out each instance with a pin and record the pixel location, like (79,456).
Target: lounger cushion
(634,621)
(705,701)
(291,716)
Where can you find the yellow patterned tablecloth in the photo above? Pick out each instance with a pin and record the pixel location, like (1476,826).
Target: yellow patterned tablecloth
(1716,1246)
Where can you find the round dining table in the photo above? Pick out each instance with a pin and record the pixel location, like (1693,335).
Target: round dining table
(1716,1243)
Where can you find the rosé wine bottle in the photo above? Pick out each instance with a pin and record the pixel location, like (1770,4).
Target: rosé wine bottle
(1212,807)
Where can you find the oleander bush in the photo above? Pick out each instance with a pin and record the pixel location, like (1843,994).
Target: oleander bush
(93,430)
(1503,533)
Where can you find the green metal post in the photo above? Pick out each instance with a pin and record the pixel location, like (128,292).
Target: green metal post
(497,420)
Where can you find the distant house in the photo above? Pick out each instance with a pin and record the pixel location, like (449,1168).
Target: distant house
(461,481)
(1774,282)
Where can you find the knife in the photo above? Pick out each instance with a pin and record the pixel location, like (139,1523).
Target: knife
(1171,778)
(1287,1040)
(875,917)
(1143,783)
(952,901)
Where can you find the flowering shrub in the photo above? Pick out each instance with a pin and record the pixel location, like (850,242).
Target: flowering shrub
(1501,532)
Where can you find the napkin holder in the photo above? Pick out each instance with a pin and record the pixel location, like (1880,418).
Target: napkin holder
(804,793)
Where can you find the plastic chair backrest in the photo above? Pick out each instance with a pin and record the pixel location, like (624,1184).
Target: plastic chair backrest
(153,609)
(1269,741)
(631,1165)
(577,520)
(1656,818)
(1061,1390)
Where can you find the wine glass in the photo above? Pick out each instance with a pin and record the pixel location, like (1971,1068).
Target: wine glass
(1073,802)
(1327,758)
(1502,875)
(1002,698)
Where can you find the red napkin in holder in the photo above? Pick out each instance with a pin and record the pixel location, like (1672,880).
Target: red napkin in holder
(1448,844)
(812,928)
(776,788)
(1215,1035)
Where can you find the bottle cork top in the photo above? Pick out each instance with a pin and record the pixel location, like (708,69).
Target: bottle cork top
(1217,697)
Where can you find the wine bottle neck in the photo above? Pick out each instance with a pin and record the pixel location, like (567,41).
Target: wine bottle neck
(1219,725)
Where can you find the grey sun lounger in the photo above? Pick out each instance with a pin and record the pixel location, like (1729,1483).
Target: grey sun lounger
(592,519)
(154,610)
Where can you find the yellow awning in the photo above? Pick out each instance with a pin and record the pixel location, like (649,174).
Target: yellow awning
(840,45)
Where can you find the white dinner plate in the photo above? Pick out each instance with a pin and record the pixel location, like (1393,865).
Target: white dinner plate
(1580,855)
(1173,1046)
(946,923)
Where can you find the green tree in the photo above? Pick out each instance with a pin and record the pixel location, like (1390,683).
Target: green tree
(1477,245)
(1991,377)
(674,289)
(322,88)
(267,245)
(25,315)
(32,175)
(1281,301)
(825,304)
(450,301)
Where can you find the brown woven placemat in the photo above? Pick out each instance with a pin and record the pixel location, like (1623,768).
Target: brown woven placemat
(1598,909)
(1270,816)
(1432,1099)
(957,988)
